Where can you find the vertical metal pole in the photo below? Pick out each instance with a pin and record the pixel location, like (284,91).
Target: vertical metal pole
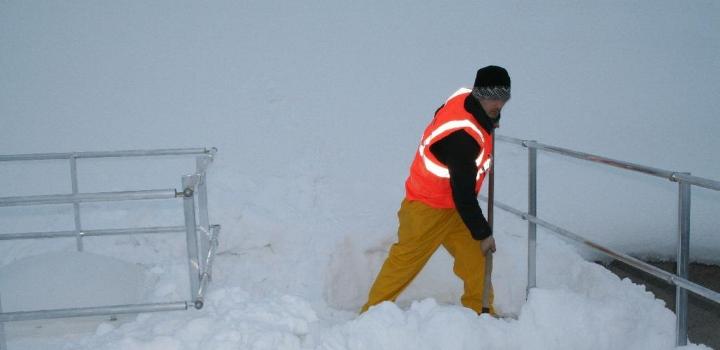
(532,210)
(202,193)
(683,256)
(487,284)
(3,340)
(76,206)
(491,188)
(191,234)
(203,219)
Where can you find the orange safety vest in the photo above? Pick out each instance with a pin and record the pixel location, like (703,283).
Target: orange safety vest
(429,180)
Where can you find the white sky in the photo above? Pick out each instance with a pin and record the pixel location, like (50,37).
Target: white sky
(346,88)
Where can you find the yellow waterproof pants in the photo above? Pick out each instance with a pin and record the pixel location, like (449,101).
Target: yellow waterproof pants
(422,230)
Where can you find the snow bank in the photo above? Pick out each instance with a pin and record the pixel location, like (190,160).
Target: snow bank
(577,304)
(231,319)
(552,318)
(69,280)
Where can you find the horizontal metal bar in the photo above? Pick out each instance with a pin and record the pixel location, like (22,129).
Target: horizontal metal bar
(698,181)
(35,156)
(634,262)
(38,235)
(93,233)
(667,174)
(144,153)
(136,231)
(505,207)
(92,311)
(87,197)
(697,289)
(108,154)
(509,139)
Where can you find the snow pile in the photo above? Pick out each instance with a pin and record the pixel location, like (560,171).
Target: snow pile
(592,317)
(578,304)
(70,280)
(552,319)
(231,319)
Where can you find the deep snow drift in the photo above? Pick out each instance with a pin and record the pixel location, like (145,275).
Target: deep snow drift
(578,304)
(68,280)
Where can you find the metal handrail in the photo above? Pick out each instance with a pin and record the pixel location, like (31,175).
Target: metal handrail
(674,176)
(634,262)
(93,233)
(685,182)
(194,189)
(87,197)
(108,154)
(698,181)
(91,311)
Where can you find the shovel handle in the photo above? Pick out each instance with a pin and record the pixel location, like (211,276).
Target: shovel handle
(487,285)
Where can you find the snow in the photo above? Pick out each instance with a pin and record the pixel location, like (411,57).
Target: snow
(233,319)
(316,108)
(70,280)
(577,304)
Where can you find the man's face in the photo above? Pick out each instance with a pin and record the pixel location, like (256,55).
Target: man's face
(492,107)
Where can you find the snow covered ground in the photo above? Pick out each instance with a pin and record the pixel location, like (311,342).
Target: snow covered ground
(316,108)
(251,305)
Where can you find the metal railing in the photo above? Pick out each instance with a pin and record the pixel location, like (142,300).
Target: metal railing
(201,237)
(685,182)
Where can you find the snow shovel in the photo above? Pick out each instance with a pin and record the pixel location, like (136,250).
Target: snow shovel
(487,287)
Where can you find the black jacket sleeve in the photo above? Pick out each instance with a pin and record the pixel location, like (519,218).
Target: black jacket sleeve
(458,152)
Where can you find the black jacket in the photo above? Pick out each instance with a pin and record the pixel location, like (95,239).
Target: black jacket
(458,152)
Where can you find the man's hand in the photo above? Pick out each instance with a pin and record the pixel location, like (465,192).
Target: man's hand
(488,244)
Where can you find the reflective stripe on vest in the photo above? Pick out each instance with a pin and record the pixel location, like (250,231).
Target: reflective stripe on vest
(441,170)
(429,179)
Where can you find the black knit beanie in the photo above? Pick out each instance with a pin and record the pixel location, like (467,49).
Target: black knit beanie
(493,83)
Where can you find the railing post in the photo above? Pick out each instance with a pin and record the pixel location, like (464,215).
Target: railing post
(76,205)
(188,186)
(202,163)
(3,340)
(206,275)
(532,210)
(683,256)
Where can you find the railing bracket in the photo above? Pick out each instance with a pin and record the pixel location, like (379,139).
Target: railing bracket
(673,177)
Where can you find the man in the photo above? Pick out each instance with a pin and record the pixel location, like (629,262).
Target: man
(440,205)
